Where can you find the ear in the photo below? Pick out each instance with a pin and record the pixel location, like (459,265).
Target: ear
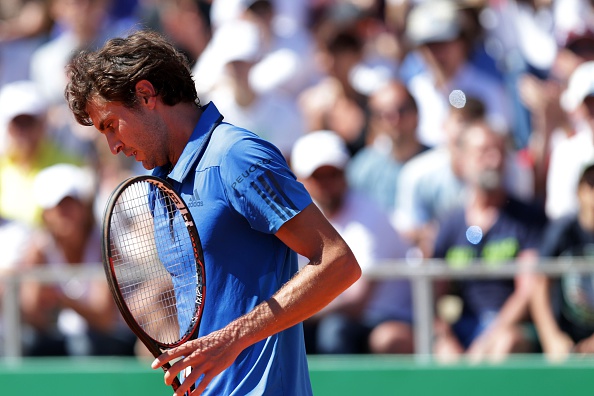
(146,94)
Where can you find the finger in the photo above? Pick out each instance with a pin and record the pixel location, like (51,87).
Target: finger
(186,386)
(170,376)
(188,365)
(203,384)
(167,357)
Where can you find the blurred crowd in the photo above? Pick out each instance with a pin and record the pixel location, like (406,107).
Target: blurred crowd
(459,130)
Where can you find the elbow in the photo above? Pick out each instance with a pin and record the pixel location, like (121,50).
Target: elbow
(351,269)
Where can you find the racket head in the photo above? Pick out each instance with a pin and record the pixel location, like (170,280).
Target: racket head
(153,262)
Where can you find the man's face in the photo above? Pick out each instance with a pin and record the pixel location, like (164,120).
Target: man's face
(135,132)
(327,186)
(483,154)
(69,217)
(25,133)
(393,113)
(446,56)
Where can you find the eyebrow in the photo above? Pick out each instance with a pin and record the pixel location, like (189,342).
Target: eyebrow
(102,125)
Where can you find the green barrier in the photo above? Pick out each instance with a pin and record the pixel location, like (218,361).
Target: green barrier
(331,376)
(388,375)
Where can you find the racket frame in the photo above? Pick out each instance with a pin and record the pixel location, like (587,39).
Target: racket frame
(155,347)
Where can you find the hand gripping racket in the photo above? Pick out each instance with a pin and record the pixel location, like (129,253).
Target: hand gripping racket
(154,263)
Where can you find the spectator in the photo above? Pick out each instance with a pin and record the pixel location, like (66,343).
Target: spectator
(381,49)
(24,26)
(334,103)
(79,24)
(371,316)
(563,308)
(551,123)
(437,30)
(292,14)
(570,155)
(574,22)
(185,22)
(77,317)
(493,227)
(23,19)
(27,149)
(393,141)
(270,115)
(431,184)
(285,66)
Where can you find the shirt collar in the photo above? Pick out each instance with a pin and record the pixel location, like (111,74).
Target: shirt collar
(209,120)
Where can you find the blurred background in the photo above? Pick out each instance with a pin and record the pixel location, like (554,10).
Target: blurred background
(450,142)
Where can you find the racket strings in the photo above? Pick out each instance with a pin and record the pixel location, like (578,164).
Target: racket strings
(154,262)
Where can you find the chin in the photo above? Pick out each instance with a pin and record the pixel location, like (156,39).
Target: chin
(147,166)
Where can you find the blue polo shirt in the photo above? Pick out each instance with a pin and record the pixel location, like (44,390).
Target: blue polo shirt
(240,192)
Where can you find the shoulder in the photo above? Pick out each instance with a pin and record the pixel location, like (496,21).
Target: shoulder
(572,150)
(236,151)
(365,210)
(452,222)
(527,212)
(362,216)
(559,234)
(427,162)
(366,158)
(229,139)
(566,224)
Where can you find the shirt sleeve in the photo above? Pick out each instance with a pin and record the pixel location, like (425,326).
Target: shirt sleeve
(260,186)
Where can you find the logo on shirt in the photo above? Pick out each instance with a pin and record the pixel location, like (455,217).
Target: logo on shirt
(493,253)
(195,200)
(246,173)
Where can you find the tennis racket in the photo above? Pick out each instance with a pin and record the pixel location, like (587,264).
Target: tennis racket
(154,263)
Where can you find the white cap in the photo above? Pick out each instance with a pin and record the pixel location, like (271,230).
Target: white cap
(580,86)
(316,149)
(54,183)
(238,40)
(21,98)
(433,21)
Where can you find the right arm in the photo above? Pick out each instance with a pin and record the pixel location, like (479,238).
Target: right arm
(555,343)
(331,270)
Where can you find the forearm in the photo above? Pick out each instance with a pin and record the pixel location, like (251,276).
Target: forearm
(96,307)
(542,314)
(513,311)
(516,307)
(99,318)
(308,292)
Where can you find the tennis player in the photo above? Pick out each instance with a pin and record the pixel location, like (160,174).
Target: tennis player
(252,217)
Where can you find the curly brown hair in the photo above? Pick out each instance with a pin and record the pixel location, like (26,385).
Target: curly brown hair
(111,73)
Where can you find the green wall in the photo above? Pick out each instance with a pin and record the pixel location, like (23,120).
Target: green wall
(346,375)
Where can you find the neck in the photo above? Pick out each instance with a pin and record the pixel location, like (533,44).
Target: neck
(405,149)
(74,247)
(488,199)
(483,209)
(181,120)
(244,95)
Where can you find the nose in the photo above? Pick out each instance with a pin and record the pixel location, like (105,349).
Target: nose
(494,157)
(114,144)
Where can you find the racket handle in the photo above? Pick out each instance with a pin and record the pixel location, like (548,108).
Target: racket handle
(176,383)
